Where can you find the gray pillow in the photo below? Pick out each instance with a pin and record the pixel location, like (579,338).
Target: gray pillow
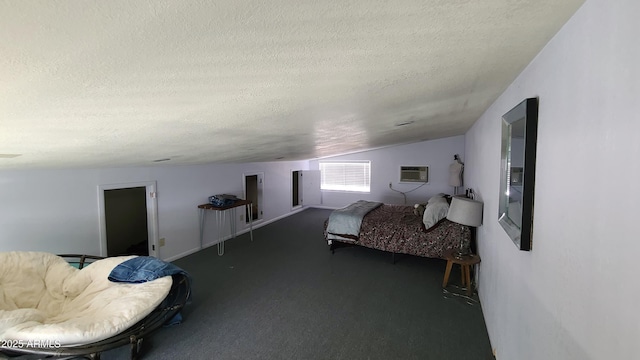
(436,210)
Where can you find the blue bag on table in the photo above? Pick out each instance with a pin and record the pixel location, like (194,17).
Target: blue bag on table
(222,200)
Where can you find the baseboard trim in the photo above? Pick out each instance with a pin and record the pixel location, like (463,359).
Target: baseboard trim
(257,225)
(323,207)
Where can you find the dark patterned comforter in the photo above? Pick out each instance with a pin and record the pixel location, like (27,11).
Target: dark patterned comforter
(395,228)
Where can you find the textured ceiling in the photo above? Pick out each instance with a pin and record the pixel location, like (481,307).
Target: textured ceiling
(124,83)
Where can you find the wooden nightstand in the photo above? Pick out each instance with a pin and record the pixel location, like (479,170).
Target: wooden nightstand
(465,262)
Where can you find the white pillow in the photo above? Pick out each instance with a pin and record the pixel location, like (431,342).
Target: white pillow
(436,210)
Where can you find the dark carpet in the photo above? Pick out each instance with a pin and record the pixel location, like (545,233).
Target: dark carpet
(285,296)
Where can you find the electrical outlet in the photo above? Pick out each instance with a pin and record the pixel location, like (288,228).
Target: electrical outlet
(161,242)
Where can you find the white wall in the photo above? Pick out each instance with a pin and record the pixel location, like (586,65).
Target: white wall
(574,295)
(57,210)
(385,168)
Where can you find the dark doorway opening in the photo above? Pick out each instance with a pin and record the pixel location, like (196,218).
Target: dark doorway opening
(126,221)
(253,186)
(295,185)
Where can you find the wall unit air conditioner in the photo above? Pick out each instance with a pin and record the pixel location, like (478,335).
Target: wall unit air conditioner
(414,174)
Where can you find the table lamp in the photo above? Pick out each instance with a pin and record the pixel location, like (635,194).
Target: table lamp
(466,212)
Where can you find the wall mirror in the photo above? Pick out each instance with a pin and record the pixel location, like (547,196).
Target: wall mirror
(517,172)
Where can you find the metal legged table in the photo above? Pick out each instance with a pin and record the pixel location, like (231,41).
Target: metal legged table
(221,214)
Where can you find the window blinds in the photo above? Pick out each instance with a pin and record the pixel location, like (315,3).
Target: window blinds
(345,176)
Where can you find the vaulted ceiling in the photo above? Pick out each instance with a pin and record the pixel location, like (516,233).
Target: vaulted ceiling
(93,83)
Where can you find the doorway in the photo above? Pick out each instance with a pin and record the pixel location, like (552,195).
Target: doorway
(253,189)
(295,189)
(305,188)
(125,218)
(128,219)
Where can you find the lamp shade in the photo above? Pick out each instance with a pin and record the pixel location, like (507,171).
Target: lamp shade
(465,211)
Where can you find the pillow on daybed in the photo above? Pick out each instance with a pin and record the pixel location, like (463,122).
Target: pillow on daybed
(43,298)
(436,210)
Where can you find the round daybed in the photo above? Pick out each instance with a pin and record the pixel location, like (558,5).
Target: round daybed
(51,309)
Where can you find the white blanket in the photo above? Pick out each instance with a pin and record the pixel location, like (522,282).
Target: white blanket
(347,221)
(46,301)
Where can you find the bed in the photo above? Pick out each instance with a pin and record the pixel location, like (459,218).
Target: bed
(53,308)
(399,230)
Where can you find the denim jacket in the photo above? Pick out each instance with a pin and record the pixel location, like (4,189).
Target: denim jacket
(142,269)
(147,268)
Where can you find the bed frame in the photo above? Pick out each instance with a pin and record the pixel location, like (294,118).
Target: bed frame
(396,229)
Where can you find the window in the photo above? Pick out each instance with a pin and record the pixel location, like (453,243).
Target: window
(345,176)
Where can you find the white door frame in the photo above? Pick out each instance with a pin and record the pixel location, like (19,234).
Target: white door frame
(152,214)
(295,207)
(260,205)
